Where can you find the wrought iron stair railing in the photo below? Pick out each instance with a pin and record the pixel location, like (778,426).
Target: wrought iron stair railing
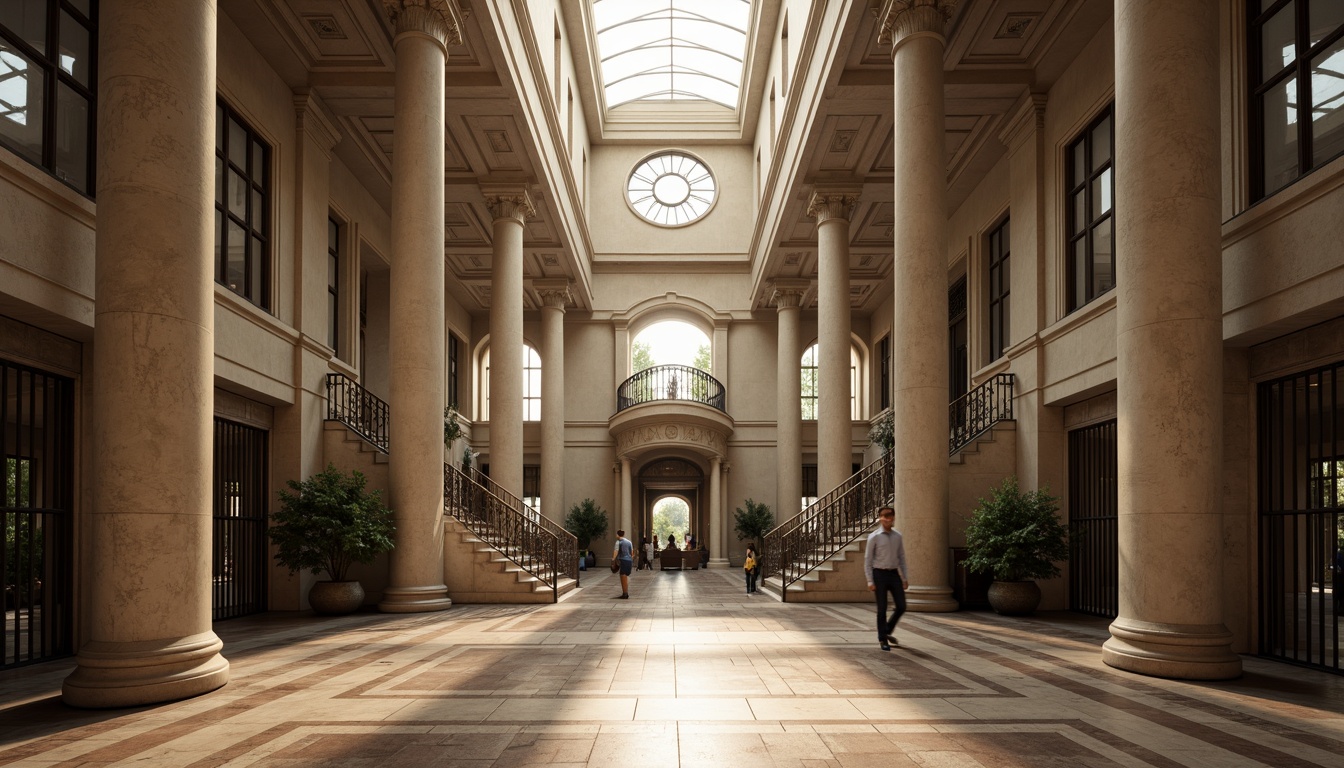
(546,551)
(670,382)
(833,522)
(357,408)
(975,412)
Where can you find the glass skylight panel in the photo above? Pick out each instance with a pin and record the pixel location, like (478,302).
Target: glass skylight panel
(672,49)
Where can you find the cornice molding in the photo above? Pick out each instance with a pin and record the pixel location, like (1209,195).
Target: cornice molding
(315,120)
(439,19)
(1026,120)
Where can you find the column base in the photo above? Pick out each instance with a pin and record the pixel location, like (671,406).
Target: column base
(415,599)
(930,600)
(112,674)
(718,562)
(1178,651)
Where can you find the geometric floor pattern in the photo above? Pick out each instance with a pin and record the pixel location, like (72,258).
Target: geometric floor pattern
(688,672)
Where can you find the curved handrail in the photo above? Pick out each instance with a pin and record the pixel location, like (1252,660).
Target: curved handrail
(670,382)
(501,522)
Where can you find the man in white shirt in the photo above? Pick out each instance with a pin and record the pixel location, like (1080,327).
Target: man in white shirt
(884,565)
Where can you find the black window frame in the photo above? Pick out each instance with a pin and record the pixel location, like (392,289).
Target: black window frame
(256,288)
(452,372)
(884,373)
(50,65)
(997,263)
(1086,232)
(1258,85)
(334,284)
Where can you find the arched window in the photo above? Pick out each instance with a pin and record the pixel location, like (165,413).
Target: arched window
(531,384)
(809,371)
(670,342)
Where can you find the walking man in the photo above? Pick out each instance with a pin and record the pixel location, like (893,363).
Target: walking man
(884,565)
(624,555)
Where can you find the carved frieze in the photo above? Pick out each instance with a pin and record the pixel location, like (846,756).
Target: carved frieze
(701,439)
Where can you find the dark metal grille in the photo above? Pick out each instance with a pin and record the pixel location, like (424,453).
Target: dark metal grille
(840,517)
(357,408)
(1301,468)
(975,412)
(670,382)
(540,546)
(1094,566)
(239,548)
(36,558)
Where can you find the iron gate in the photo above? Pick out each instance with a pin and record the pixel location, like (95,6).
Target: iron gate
(36,559)
(1094,563)
(1301,472)
(238,584)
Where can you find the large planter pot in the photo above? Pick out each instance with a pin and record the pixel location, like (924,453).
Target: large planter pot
(1014,598)
(336,598)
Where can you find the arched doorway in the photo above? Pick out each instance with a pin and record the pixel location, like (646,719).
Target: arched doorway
(666,481)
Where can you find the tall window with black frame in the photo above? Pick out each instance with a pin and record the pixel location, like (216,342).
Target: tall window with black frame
(1091,211)
(998,284)
(242,200)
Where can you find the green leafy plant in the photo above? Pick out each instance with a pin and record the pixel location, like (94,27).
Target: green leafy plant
(1016,535)
(883,433)
(753,522)
(451,429)
(587,521)
(329,523)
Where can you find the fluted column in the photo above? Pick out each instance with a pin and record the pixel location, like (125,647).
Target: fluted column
(788,297)
(716,512)
(424,29)
(554,298)
(832,209)
(510,207)
(1169,344)
(627,514)
(919,330)
(148,637)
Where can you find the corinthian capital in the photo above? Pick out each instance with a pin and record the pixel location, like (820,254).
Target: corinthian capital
(902,18)
(827,204)
(788,294)
(440,19)
(553,293)
(508,202)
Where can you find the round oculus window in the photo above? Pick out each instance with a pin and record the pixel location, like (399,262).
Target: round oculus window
(671,189)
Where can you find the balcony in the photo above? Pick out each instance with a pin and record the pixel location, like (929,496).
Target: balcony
(671,408)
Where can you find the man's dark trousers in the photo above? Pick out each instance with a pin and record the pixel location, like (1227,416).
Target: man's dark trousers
(888,580)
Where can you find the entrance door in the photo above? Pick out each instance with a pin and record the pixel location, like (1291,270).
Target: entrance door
(239,548)
(1094,565)
(671,478)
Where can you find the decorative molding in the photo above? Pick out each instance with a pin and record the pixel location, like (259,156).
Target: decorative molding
(826,204)
(700,438)
(788,294)
(1026,120)
(315,120)
(508,202)
(901,20)
(438,19)
(554,293)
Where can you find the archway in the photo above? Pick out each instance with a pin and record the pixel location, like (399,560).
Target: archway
(672,482)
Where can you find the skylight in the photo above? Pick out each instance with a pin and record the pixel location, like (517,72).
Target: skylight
(656,50)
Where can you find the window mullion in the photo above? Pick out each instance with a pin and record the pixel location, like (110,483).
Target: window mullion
(1303,69)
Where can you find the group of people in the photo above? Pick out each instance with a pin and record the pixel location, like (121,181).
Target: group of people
(883,565)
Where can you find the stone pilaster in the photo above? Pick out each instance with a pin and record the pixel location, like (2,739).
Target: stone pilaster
(919,329)
(787,298)
(1169,344)
(626,496)
(510,206)
(416,314)
(554,298)
(716,512)
(147,637)
(832,208)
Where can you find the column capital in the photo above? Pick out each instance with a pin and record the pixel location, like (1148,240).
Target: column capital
(829,203)
(508,201)
(900,20)
(788,294)
(315,120)
(439,19)
(1026,119)
(554,293)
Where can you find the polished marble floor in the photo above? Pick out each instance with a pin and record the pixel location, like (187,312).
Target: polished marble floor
(687,672)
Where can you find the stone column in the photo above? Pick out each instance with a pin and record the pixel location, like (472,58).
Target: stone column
(1169,344)
(416,312)
(510,207)
(554,298)
(788,297)
(627,514)
(716,512)
(835,443)
(148,638)
(919,330)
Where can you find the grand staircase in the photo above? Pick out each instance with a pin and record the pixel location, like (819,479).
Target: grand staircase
(496,548)
(817,556)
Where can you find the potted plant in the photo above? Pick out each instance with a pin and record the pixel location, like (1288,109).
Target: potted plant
(587,521)
(329,523)
(753,523)
(451,429)
(1016,537)
(883,433)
